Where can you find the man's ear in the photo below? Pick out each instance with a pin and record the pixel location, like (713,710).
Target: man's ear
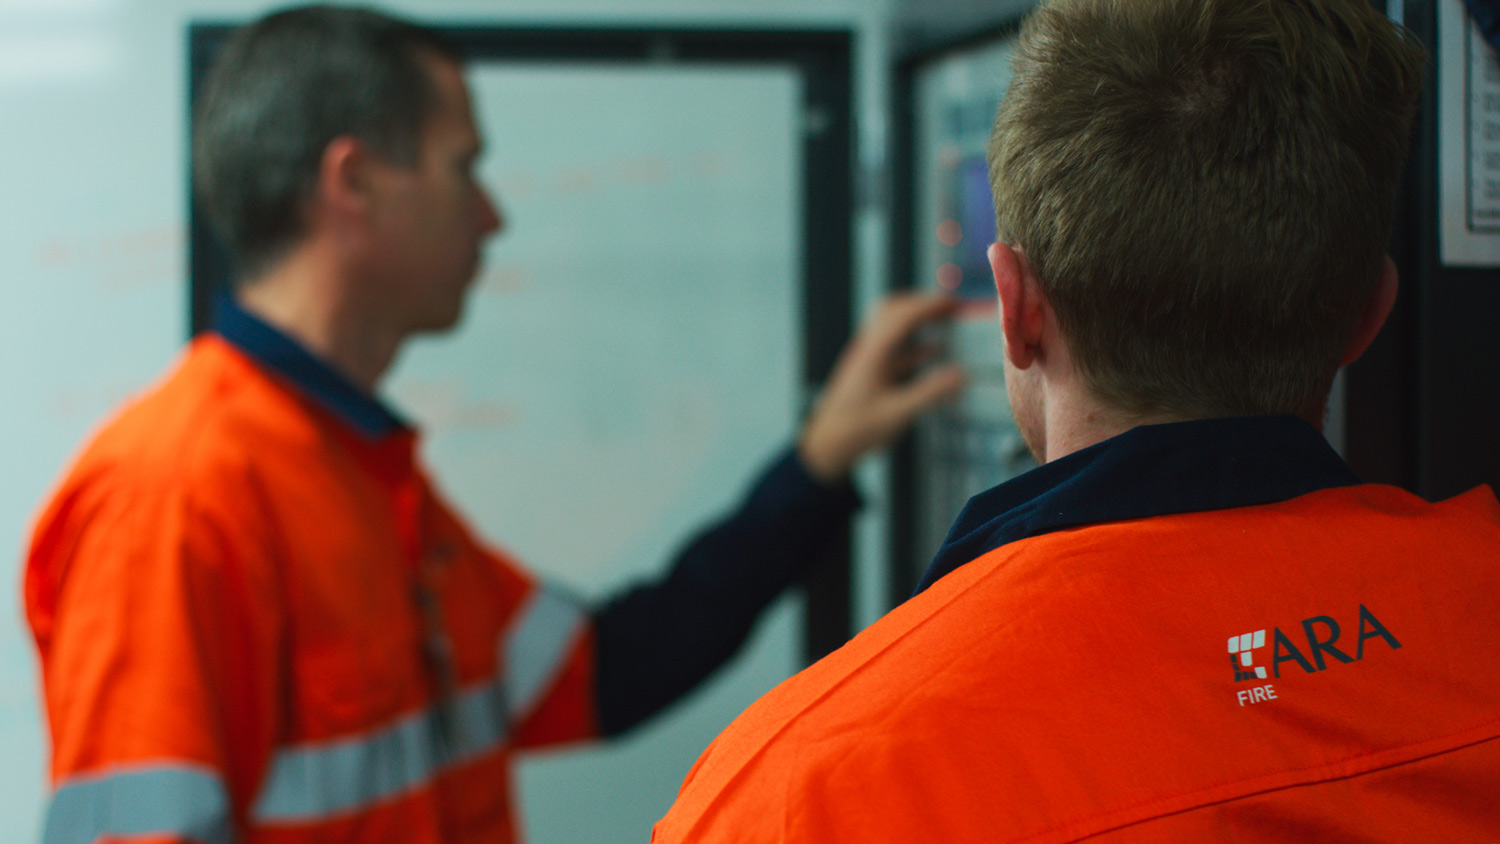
(1022,307)
(344,179)
(1374,314)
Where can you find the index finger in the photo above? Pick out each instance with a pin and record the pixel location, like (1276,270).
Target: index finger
(901,314)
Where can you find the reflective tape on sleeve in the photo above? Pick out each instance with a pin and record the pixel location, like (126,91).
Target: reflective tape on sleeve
(535,649)
(320,781)
(168,800)
(313,782)
(477,724)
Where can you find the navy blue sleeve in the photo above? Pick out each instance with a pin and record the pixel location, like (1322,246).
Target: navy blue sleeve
(658,640)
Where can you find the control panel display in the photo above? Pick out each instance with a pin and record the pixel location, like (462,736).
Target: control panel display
(972,444)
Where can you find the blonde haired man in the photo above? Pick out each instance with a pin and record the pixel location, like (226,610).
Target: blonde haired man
(1193,200)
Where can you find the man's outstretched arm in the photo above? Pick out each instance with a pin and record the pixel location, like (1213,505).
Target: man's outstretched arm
(656,641)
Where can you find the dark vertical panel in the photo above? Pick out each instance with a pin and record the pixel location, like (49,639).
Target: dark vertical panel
(1460,401)
(209,265)
(828,221)
(905,568)
(828,249)
(1425,399)
(1381,435)
(1458,341)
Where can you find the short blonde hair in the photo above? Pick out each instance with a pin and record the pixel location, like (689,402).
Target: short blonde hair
(1204,189)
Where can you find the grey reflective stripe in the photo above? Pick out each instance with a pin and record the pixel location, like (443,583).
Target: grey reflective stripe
(314,782)
(476,724)
(173,800)
(536,649)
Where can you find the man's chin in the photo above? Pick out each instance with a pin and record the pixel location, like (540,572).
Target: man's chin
(440,326)
(449,316)
(436,322)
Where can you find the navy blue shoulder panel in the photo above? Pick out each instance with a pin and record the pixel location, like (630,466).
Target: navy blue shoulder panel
(285,357)
(1152,470)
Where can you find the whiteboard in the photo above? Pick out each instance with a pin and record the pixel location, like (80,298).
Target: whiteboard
(630,356)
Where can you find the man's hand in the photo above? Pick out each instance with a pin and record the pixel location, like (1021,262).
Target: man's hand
(871,398)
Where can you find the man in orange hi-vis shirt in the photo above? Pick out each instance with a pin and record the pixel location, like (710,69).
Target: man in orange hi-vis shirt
(1192,622)
(257,620)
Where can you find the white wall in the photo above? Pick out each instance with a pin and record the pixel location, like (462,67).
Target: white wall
(93,198)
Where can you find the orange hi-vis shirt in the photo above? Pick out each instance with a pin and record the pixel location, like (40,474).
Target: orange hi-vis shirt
(1204,632)
(258,625)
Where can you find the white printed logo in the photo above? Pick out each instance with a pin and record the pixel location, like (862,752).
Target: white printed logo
(1241,656)
(1324,649)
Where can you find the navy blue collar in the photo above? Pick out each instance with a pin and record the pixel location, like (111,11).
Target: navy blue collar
(1153,470)
(283,356)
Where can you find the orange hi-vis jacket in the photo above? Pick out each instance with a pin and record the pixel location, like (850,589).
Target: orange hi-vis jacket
(257,625)
(1203,632)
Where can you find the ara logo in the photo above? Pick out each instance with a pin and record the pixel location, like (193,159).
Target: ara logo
(1322,634)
